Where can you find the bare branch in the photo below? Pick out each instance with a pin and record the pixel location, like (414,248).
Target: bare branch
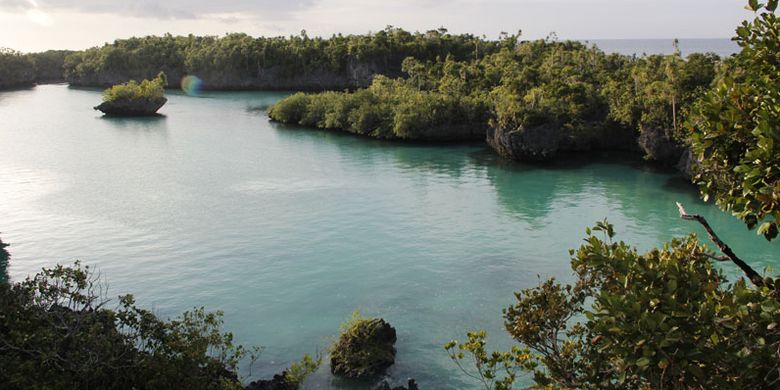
(749,272)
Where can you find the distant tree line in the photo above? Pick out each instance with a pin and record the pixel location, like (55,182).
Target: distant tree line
(24,70)
(239,61)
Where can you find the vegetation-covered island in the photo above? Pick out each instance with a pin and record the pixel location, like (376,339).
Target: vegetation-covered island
(668,318)
(135,99)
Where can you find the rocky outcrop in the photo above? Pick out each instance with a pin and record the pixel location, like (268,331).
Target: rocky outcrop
(687,164)
(134,107)
(364,350)
(411,385)
(543,142)
(278,382)
(356,74)
(537,143)
(658,146)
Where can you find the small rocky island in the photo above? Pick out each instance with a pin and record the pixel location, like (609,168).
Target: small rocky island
(135,99)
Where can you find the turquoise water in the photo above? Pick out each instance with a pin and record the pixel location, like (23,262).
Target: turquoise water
(290,230)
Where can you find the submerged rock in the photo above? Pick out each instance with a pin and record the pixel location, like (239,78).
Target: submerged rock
(687,164)
(657,146)
(411,385)
(134,107)
(364,350)
(536,143)
(278,382)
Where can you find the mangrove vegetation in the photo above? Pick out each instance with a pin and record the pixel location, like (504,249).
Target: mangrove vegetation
(530,98)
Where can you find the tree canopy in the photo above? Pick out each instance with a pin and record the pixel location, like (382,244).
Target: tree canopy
(736,127)
(132,90)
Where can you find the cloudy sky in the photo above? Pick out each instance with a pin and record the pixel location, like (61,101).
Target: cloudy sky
(35,25)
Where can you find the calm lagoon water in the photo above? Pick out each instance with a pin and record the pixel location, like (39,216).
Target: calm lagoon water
(288,231)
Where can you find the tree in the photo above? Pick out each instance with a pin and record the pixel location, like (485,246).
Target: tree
(736,127)
(668,318)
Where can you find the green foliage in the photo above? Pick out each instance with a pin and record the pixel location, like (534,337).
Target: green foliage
(663,319)
(48,66)
(242,57)
(658,91)
(577,88)
(16,70)
(736,127)
(56,332)
(364,348)
(300,370)
(495,370)
(387,109)
(132,90)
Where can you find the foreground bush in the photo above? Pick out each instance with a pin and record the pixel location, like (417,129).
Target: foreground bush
(664,319)
(57,332)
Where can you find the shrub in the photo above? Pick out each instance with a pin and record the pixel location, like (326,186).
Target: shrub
(132,90)
(57,332)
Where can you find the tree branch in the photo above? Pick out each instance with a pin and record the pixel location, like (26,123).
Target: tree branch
(749,272)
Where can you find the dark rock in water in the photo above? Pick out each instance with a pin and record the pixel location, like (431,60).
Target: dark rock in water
(135,107)
(411,385)
(599,135)
(364,351)
(687,164)
(536,143)
(658,146)
(276,383)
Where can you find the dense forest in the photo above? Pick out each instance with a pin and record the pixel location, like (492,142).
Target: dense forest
(531,98)
(239,61)
(25,70)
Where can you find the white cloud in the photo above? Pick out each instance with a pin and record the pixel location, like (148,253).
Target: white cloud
(39,17)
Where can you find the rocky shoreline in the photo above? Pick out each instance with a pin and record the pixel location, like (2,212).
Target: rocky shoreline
(544,142)
(134,107)
(356,75)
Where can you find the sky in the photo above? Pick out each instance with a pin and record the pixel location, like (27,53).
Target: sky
(37,25)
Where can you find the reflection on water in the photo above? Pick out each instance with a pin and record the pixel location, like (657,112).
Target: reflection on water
(289,230)
(154,122)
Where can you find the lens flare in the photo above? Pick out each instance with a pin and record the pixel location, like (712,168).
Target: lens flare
(191,85)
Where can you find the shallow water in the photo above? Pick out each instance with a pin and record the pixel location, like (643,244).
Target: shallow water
(288,231)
